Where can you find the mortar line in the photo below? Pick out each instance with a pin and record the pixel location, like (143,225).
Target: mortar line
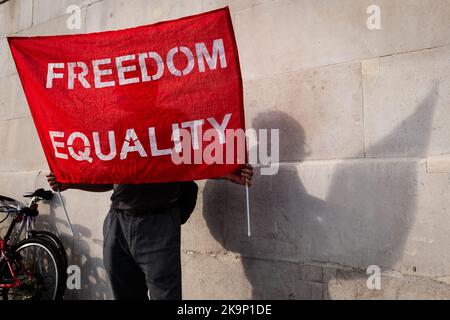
(23,171)
(355,159)
(342,63)
(32,14)
(363,106)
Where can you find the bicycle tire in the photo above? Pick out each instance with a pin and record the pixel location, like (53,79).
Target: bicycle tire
(55,240)
(55,292)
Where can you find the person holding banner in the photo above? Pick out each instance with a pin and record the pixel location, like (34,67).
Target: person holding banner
(138,111)
(142,236)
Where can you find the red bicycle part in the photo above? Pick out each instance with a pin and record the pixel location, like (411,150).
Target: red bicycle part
(16,281)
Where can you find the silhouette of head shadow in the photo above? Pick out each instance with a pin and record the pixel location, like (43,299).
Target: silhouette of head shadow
(359,212)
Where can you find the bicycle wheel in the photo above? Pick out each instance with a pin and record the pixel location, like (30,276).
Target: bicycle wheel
(36,264)
(54,241)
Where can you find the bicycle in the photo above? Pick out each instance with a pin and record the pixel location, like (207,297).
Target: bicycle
(33,268)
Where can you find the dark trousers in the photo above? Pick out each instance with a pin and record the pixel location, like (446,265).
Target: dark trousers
(141,254)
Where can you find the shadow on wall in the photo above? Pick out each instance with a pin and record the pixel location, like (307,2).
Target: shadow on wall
(92,270)
(364,217)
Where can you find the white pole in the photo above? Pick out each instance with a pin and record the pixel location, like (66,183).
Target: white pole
(65,211)
(248,210)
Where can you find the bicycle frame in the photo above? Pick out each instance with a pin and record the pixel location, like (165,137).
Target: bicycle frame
(27,222)
(5,247)
(5,259)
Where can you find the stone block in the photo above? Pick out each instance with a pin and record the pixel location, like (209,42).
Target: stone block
(7,66)
(13,103)
(94,280)
(234,5)
(195,233)
(20,149)
(289,35)
(118,14)
(45,10)
(406,105)
(56,26)
(399,287)
(318,112)
(438,164)
(425,253)
(15,16)
(327,212)
(214,277)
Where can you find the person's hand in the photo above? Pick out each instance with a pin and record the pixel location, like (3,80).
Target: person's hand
(242,175)
(54,184)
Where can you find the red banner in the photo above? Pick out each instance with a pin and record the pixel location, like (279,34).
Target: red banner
(147,104)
